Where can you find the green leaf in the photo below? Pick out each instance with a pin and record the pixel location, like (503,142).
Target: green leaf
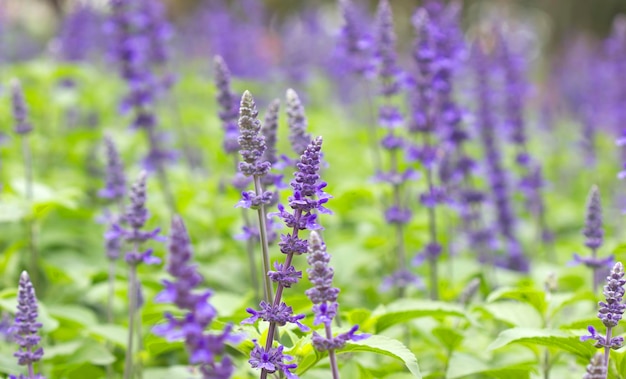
(557,339)
(401,311)
(109,332)
(513,313)
(463,365)
(529,295)
(449,337)
(385,346)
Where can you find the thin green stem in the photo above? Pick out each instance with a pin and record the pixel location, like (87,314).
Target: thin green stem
(331,353)
(132,306)
(268,287)
(31,221)
(607,349)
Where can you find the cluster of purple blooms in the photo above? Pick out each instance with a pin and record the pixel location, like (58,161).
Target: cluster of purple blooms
(324,297)
(204,348)
(139,31)
(25,329)
(610,312)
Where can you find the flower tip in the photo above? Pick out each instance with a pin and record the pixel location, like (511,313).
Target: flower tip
(291,95)
(24,276)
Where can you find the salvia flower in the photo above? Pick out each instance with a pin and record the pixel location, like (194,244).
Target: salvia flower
(272,360)
(20,109)
(26,326)
(355,42)
(115,188)
(229,112)
(297,122)
(324,297)
(610,312)
(251,141)
(205,349)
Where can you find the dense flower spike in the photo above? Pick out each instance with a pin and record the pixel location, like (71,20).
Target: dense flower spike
(388,69)
(297,122)
(515,259)
(251,141)
(20,109)
(204,348)
(80,35)
(324,296)
(115,188)
(610,312)
(355,43)
(229,112)
(270,131)
(272,360)
(26,326)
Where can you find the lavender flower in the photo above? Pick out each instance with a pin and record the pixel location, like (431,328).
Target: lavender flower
(26,327)
(297,122)
(229,112)
(610,312)
(203,348)
(20,109)
(324,296)
(80,33)
(270,131)
(388,69)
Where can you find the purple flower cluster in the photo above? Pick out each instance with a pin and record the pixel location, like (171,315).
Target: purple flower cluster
(515,259)
(204,348)
(139,30)
(596,369)
(20,109)
(308,198)
(610,312)
(297,122)
(135,219)
(80,33)
(26,327)
(324,297)
(594,233)
(229,110)
(355,44)
(114,190)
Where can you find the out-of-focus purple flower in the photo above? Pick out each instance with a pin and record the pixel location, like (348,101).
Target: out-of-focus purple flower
(596,369)
(20,109)
(204,348)
(26,327)
(388,69)
(355,43)
(297,122)
(80,33)
(402,278)
(593,231)
(229,110)
(115,188)
(515,259)
(324,297)
(270,131)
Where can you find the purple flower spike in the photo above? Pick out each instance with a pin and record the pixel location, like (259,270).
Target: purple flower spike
(270,130)
(26,326)
(251,141)
(596,369)
(324,297)
(20,109)
(229,112)
(593,230)
(355,42)
(204,348)
(115,188)
(610,312)
(296,119)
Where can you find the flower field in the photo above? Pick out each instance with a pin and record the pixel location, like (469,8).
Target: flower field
(340,191)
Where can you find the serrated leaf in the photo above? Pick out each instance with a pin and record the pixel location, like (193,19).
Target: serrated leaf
(557,339)
(401,311)
(385,346)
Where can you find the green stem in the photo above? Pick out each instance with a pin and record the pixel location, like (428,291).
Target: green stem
(268,287)
(132,306)
(331,353)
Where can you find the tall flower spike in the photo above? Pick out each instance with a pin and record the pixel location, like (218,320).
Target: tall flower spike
(115,188)
(229,113)
(204,348)
(610,312)
(26,326)
(270,130)
(593,230)
(251,141)
(324,297)
(296,119)
(20,109)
